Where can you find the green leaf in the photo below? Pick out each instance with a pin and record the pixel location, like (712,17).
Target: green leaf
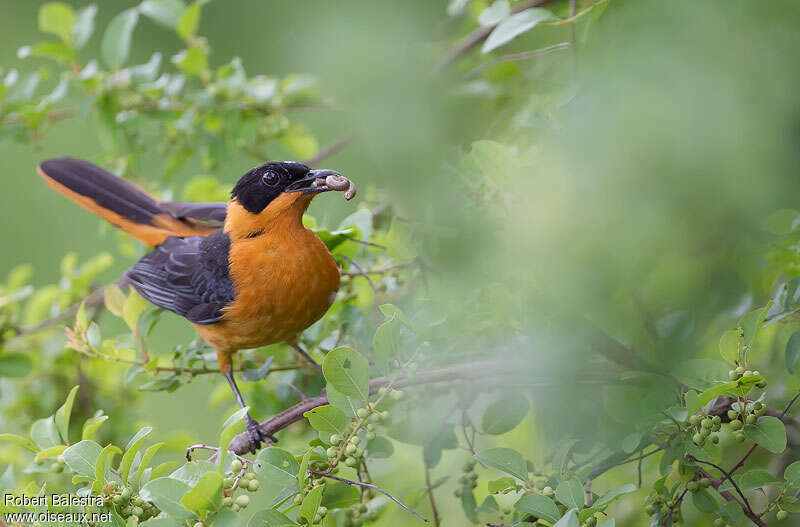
(278,465)
(146,458)
(793,351)
(82,457)
(132,309)
(340,495)
(570,519)
(612,495)
(115,299)
(386,341)
(346,404)
(792,475)
(191,472)
(768,432)
(57,18)
(327,420)
(732,513)
(704,500)
(570,493)
(500,484)
(189,20)
(105,457)
(729,346)
(165,12)
(15,365)
(495,14)
(206,495)
(130,452)
(780,221)
(50,453)
(63,414)
(504,414)
(116,43)
(348,372)
(506,459)
(751,323)
(538,505)
(167,493)
(91,425)
(269,518)
(514,26)
(380,448)
(24,442)
(468,503)
(84,25)
(44,433)
(229,429)
(754,479)
(302,472)
(310,504)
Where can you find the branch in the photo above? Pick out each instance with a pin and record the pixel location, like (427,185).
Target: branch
(730,497)
(380,270)
(515,57)
(369,486)
(482,33)
(95,300)
(728,477)
(469,371)
(328,151)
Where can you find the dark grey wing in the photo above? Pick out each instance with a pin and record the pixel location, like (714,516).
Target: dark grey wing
(188,276)
(211,213)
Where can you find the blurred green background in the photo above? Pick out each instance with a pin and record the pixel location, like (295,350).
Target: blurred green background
(640,178)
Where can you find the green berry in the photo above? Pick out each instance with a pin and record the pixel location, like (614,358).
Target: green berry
(740,370)
(698,439)
(747,374)
(137,511)
(740,437)
(298,498)
(227,501)
(732,375)
(396,395)
(336,439)
(198,524)
(358,453)
(332,452)
(548,491)
(751,419)
(719,522)
(355,440)
(736,424)
(370,427)
(714,438)
(117,499)
(782,515)
(732,414)
(591,521)
(253,485)
(756,373)
(761,411)
(362,508)
(694,420)
(56,467)
(716,420)
(540,484)
(650,509)
(350,461)
(249,476)
(242,501)
(317,518)
(463,479)
(473,484)
(236,466)
(706,423)
(457,493)
(61,460)
(705,483)
(369,436)
(227,483)
(363,413)
(235,508)
(761,385)
(385,415)
(350,449)
(322,511)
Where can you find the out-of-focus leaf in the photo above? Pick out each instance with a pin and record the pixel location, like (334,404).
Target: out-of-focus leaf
(495,13)
(45,434)
(63,414)
(189,20)
(515,25)
(165,12)
(729,346)
(84,25)
(380,448)
(505,414)
(15,365)
(116,43)
(793,351)
(57,18)
(781,221)
(310,504)
(506,459)
(24,442)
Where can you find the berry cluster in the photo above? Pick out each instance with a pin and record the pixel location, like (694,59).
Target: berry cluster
(238,479)
(359,514)
(748,414)
(663,506)
(129,505)
(706,428)
(470,477)
(742,373)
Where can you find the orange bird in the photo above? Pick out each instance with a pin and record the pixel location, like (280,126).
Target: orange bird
(261,278)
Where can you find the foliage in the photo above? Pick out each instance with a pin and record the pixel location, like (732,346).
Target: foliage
(711,434)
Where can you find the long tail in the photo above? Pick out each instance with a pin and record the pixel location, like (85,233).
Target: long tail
(118,201)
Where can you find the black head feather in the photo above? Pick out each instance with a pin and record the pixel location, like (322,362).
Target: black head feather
(256,189)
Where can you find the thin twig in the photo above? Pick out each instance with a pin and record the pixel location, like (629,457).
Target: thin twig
(515,57)
(369,486)
(365,242)
(727,476)
(430,494)
(361,272)
(380,270)
(328,151)
(306,356)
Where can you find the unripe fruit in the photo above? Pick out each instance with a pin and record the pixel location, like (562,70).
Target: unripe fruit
(249,476)
(349,449)
(782,515)
(350,461)
(694,420)
(762,384)
(227,483)
(322,511)
(705,483)
(236,466)
(591,521)
(736,424)
(732,375)
(359,452)
(137,511)
(61,460)
(740,437)
(719,522)
(457,493)
(716,420)
(362,508)
(228,501)
(748,374)
(751,419)
(198,524)
(650,509)
(370,427)
(706,423)
(317,518)
(117,499)
(370,436)
(332,452)
(732,414)
(242,501)
(692,486)
(298,498)
(355,440)
(363,413)
(698,439)
(740,370)
(396,395)
(56,467)
(473,484)
(714,438)
(463,479)
(540,484)
(761,411)
(235,508)
(756,373)
(336,439)
(548,491)
(385,415)
(253,486)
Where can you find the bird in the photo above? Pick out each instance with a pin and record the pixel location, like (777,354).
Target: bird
(245,273)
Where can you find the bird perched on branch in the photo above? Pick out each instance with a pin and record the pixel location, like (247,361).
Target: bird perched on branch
(245,273)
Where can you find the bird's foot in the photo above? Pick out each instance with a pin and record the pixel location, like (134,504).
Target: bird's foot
(256,435)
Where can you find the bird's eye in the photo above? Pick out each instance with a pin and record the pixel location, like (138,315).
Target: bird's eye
(270,178)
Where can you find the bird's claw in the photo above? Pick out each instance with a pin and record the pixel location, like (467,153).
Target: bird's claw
(256,435)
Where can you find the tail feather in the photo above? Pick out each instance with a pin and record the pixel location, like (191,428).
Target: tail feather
(117,201)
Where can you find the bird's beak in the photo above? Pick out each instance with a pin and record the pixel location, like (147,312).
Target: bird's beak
(324,180)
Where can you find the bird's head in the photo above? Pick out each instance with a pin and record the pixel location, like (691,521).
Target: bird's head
(282,190)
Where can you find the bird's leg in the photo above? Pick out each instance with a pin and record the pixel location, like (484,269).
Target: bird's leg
(257,436)
(305,355)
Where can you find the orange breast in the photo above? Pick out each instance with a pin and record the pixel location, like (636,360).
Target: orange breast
(285,280)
